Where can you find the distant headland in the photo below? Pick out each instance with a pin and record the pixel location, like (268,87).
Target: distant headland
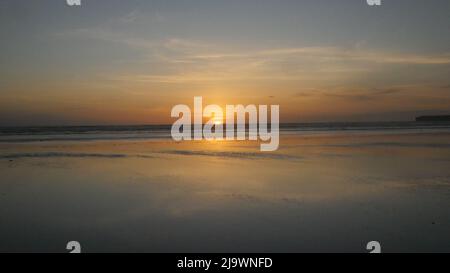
(433,118)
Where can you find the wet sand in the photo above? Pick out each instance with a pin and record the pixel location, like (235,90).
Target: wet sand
(317,193)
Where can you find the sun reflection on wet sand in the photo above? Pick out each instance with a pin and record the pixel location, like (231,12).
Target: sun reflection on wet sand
(227,195)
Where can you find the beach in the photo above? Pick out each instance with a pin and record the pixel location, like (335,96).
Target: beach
(330,191)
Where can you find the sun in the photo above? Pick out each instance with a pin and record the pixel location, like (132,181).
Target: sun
(218,121)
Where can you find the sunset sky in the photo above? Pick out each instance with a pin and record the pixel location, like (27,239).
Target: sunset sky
(129,62)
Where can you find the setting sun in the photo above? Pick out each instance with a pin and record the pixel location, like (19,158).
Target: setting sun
(218,121)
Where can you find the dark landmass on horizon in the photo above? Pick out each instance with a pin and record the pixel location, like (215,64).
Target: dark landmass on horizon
(434,118)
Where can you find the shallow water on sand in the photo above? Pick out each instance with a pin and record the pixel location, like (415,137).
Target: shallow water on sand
(320,193)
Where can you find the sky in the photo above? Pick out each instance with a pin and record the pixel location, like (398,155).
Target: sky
(130,62)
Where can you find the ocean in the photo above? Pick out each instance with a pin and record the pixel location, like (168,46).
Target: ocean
(60,133)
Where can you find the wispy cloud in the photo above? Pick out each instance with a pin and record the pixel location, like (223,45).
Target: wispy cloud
(177,60)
